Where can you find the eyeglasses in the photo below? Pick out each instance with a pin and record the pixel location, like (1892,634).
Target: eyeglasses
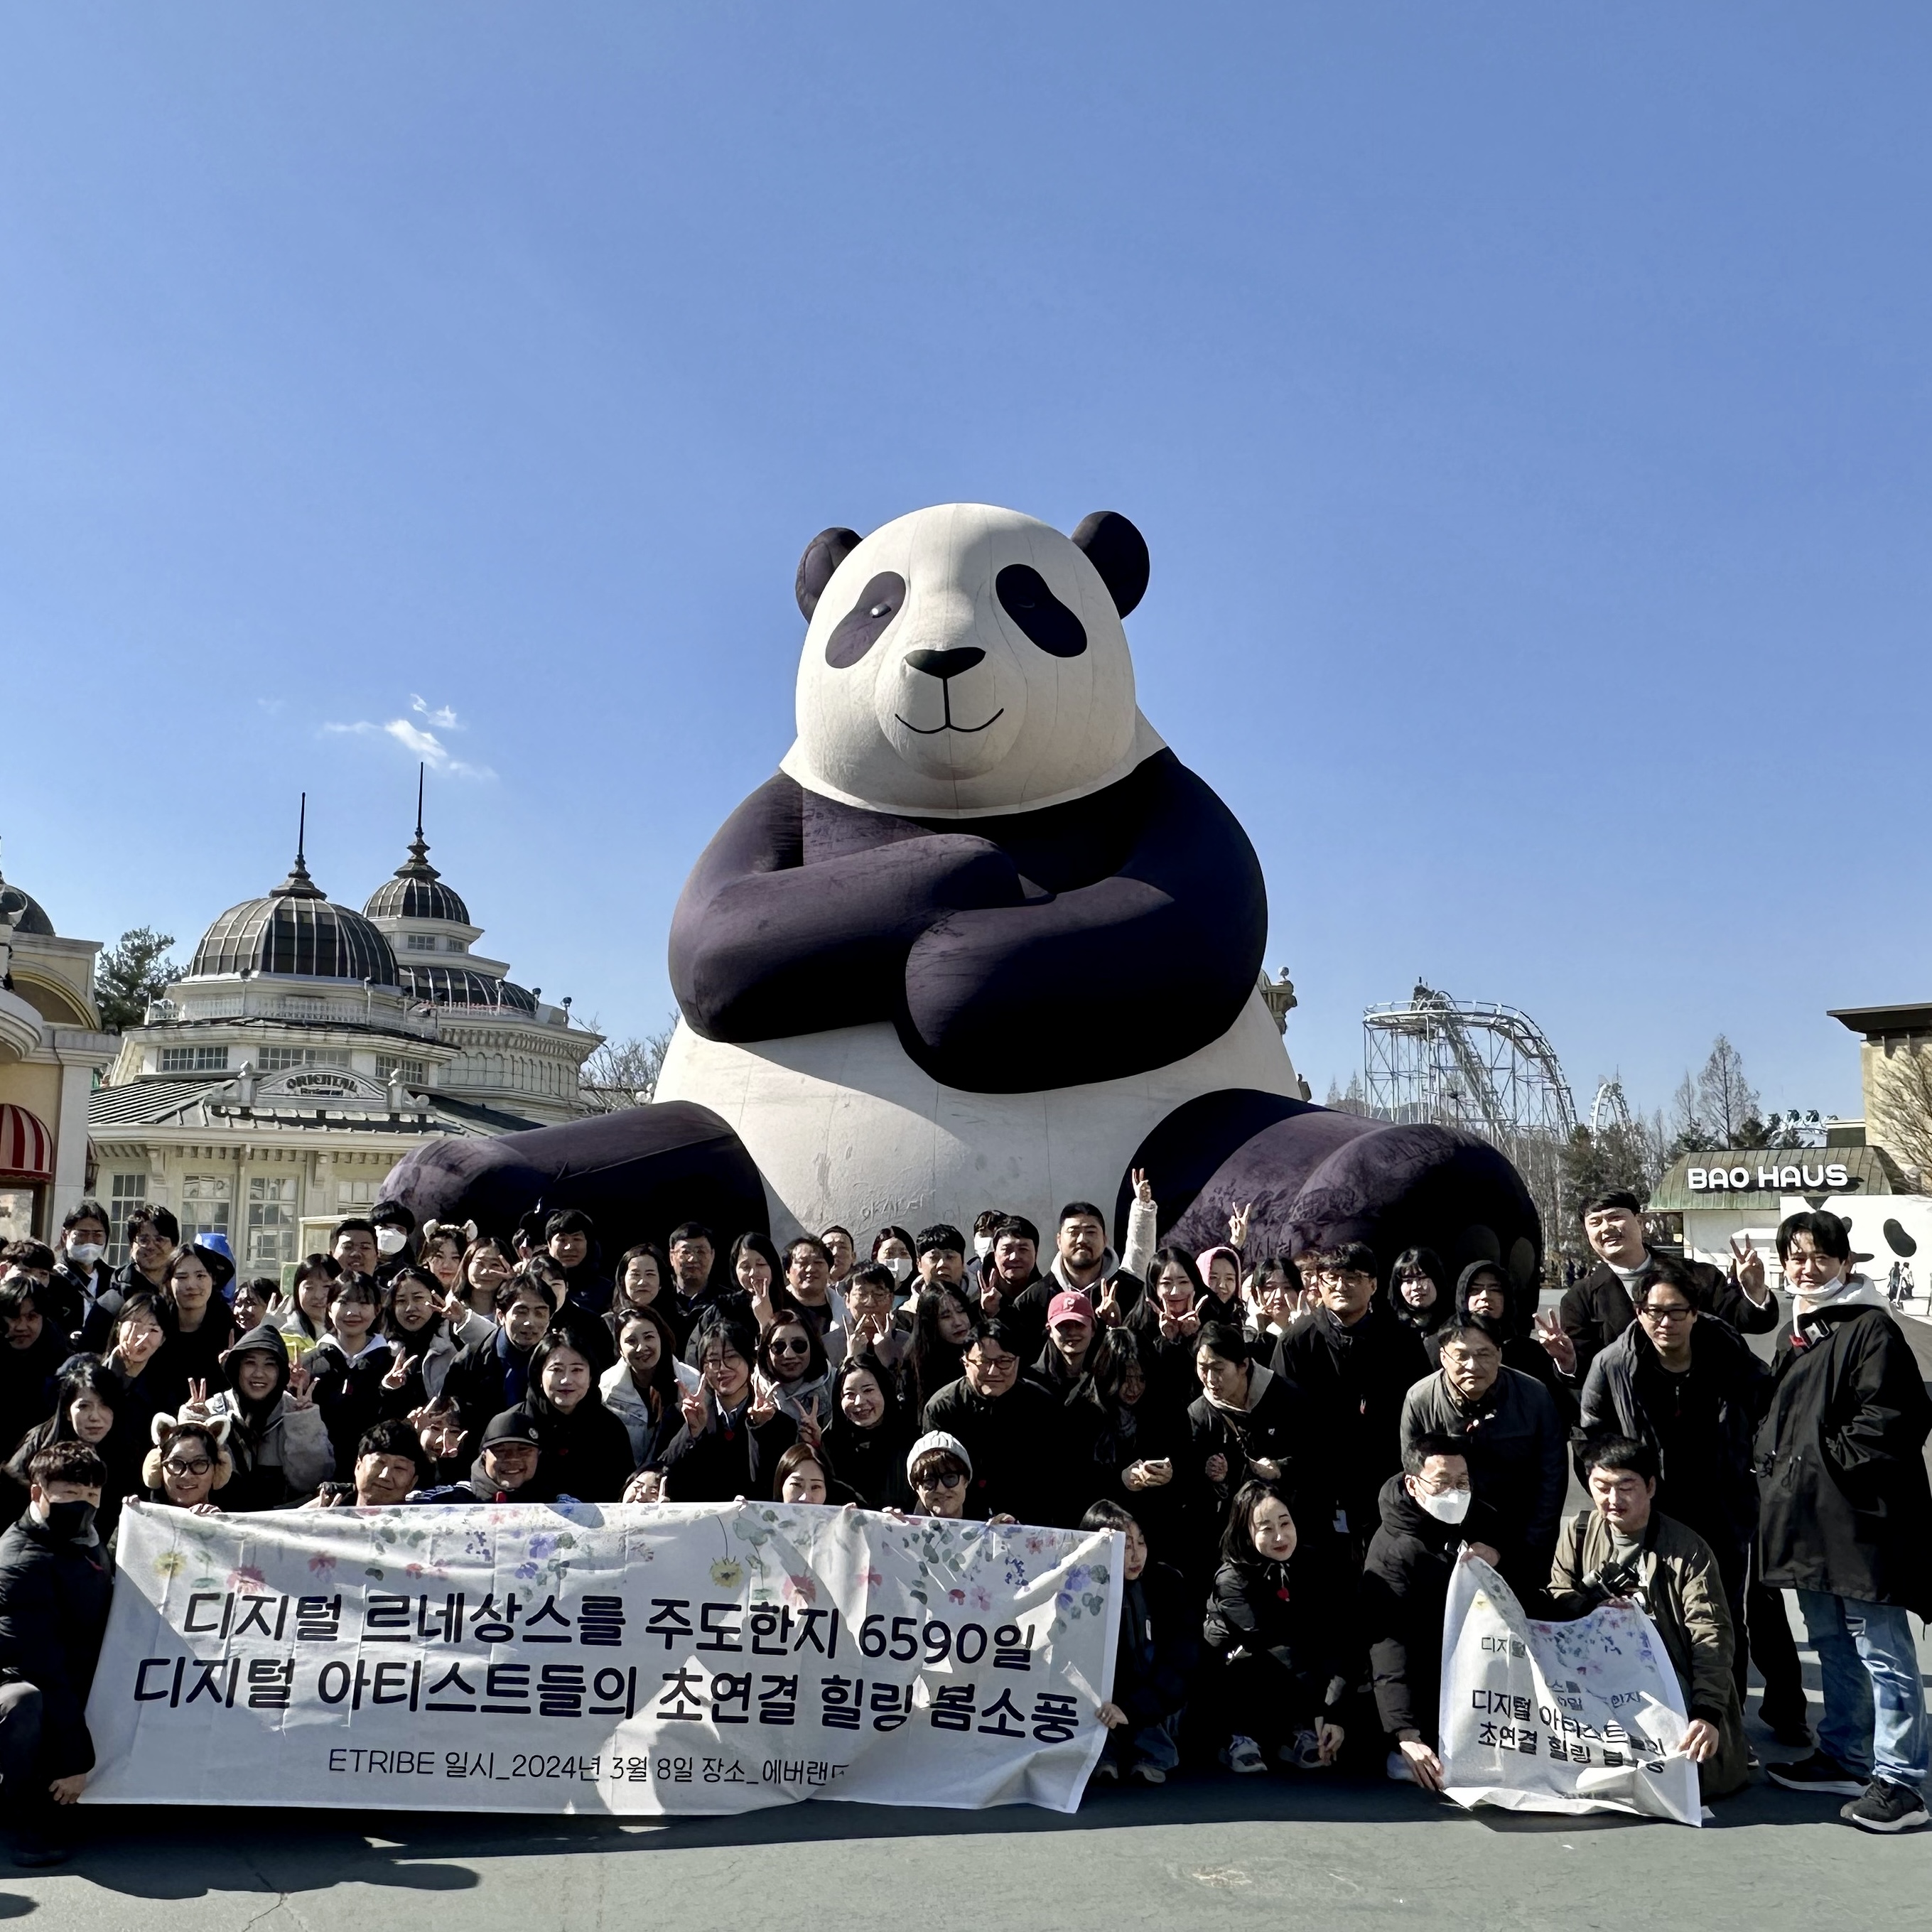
(952,1480)
(995,1365)
(1681,1311)
(800,1347)
(200,1466)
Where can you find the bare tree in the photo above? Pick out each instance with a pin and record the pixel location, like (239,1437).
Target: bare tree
(624,1072)
(1726,1101)
(1900,1119)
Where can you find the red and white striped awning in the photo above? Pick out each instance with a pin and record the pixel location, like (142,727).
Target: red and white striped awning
(26,1148)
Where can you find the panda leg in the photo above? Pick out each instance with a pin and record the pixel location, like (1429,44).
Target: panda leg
(636,1174)
(1316,1182)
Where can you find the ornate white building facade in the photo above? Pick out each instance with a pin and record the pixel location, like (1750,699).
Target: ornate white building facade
(309,1047)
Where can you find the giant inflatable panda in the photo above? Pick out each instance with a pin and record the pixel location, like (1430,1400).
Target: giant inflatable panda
(982,941)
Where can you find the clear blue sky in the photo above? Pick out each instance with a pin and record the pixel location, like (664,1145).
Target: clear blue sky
(1526,407)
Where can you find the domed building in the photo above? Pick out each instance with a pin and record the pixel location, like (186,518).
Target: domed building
(52,1048)
(309,1046)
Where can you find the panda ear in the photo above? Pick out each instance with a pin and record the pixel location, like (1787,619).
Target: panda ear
(823,555)
(1118,552)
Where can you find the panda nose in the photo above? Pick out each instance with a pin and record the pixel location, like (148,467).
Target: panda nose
(942,664)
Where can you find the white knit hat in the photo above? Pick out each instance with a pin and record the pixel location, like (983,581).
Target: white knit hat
(939,1439)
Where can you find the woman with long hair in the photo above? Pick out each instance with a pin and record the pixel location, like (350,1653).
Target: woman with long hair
(943,1326)
(584,1450)
(645,1386)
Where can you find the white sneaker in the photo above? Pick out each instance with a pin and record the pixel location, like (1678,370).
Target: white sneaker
(1400,1768)
(1147,1772)
(1243,1756)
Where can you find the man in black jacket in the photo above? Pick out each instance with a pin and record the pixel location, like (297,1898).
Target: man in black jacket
(1845,1520)
(1687,1385)
(1429,1513)
(82,1275)
(1354,1363)
(1013,1430)
(1601,1306)
(56,1579)
(493,1374)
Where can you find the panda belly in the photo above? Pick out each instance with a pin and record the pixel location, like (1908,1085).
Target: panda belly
(843,1127)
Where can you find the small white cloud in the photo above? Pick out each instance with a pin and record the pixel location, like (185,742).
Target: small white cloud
(272,705)
(425,745)
(442,717)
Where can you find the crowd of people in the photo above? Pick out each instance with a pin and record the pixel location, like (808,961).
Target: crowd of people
(1296,1449)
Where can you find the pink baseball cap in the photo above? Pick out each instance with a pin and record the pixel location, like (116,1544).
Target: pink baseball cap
(1069,1305)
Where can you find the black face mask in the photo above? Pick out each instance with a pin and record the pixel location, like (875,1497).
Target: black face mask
(68,1520)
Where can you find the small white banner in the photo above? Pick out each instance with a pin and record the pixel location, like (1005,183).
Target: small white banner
(673,1658)
(1544,1717)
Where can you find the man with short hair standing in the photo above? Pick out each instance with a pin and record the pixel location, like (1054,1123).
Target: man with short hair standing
(1845,1520)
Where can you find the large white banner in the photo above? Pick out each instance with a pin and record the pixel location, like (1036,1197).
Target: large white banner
(669,1658)
(1544,1717)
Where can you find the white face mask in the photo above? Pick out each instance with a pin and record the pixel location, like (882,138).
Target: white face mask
(84,1254)
(901,1267)
(391,1240)
(982,1246)
(1451,1506)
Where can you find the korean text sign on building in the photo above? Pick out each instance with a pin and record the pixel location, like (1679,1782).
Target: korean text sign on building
(692,1658)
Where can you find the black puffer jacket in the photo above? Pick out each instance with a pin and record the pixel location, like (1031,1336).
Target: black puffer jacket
(1404,1586)
(54,1594)
(1845,1507)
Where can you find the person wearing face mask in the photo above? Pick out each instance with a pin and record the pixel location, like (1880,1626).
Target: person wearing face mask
(1845,1520)
(55,1582)
(1430,1516)
(892,1248)
(81,1274)
(393,1225)
(1514,1439)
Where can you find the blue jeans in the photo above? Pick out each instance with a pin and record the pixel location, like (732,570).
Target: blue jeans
(1874,1723)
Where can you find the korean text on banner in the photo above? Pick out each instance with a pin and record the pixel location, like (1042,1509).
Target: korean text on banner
(1544,1717)
(573,1658)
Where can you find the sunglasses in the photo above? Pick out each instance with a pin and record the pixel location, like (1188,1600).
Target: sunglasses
(951,1481)
(800,1347)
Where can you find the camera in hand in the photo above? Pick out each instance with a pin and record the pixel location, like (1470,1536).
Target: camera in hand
(1615,1579)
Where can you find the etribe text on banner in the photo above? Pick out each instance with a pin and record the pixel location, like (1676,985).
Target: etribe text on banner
(673,1658)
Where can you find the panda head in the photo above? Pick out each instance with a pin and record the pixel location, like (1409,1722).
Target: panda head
(967,660)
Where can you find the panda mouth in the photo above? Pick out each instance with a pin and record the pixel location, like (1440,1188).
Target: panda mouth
(964,730)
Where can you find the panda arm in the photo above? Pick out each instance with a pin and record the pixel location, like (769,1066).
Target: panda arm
(763,945)
(1134,971)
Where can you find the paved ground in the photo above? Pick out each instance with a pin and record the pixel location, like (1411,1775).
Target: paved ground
(1205,1851)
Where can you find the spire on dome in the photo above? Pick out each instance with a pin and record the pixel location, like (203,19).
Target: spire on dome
(299,885)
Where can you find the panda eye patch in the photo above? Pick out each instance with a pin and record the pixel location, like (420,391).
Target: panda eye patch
(862,626)
(1024,597)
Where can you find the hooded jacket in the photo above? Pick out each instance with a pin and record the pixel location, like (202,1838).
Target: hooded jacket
(1405,1586)
(1684,1594)
(1845,1507)
(1027,1310)
(1520,1349)
(54,1593)
(1729,1386)
(281,1455)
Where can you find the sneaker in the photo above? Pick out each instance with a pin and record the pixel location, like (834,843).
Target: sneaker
(1106,1772)
(1304,1753)
(1243,1756)
(1816,1773)
(34,1850)
(1399,1768)
(1147,1772)
(1886,1807)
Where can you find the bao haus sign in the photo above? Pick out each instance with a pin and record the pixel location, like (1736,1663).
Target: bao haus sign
(1828,1176)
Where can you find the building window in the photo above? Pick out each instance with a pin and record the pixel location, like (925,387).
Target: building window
(194,1059)
(125,1193)
(271,1218)
(279,1059)
(421,942)
(355,1197)
(389,1067)
(205,1206)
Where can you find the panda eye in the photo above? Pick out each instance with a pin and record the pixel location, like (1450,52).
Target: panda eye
(862,627)
(1024,596)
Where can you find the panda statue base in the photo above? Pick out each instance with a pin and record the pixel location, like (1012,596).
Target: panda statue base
(983,941)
